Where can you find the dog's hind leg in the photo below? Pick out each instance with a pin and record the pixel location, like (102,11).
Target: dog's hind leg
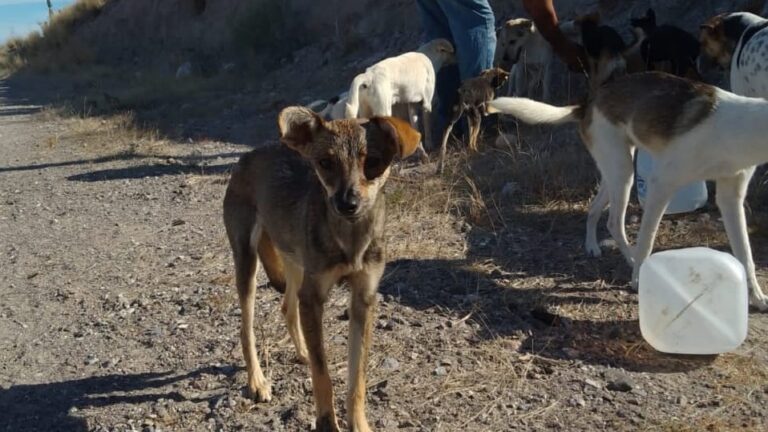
(246,264)
(290,309)
(362,308)
(312,296)
(426,142)
(731,192)
(599,203)
(613,156)
(413,118)
(457,111)
(272,263)
(474,119)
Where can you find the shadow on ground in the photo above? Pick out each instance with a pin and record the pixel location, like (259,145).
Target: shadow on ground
(53,406)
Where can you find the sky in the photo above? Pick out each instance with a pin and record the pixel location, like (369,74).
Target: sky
(19,17)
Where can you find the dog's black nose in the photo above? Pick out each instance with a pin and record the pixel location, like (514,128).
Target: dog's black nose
(347,202)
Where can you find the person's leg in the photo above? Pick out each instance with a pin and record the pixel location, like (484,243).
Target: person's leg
(474,34)
(433,20)
(435,25)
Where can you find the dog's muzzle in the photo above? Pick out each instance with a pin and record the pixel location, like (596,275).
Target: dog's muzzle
(347,203)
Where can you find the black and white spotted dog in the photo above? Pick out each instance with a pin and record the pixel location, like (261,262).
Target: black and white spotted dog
(739,42)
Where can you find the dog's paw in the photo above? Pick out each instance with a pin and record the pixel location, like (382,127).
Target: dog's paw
(260,392)
(593,250)
(758,301)
(326,424)
(360,426)
(302,357)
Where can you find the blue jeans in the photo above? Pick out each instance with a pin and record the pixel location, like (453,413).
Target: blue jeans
(470,26)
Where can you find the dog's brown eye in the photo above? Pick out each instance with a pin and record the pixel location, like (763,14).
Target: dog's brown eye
(325,163)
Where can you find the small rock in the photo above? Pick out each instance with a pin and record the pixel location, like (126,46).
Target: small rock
(338,339)
(390,363)
(592,383)
(619,381)
(577,401)
(682,400)
(177,222)
(446,362)
(634,219)
(184,70)
(385,324)
(509,189)
(571,353)
(90,360)
(440,371)
(385,424)
(505,140)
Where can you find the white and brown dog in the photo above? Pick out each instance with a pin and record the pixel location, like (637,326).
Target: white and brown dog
(738,42)
(683,125)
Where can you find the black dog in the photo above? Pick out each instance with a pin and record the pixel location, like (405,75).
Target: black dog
(667,43)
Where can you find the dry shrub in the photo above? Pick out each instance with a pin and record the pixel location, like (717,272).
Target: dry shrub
(54,47)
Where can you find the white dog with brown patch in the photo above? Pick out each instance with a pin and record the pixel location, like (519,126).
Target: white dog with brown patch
(694,132)
(407,79)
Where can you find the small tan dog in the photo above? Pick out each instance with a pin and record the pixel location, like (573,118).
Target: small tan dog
(473,94)
(313,213)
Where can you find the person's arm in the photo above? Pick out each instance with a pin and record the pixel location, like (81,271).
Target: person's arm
(544,16)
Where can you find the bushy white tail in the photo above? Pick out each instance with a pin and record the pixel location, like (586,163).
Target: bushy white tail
(533,112)
(363,80)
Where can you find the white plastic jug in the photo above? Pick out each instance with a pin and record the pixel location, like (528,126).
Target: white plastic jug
(693,301)
(686,199)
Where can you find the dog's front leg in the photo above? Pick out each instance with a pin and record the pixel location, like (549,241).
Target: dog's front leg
(731,192)
(362,308)
(312,296)
(658,196)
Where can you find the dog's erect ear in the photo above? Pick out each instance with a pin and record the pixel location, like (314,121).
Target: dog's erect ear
(708,27)
(297,127)
(651,15)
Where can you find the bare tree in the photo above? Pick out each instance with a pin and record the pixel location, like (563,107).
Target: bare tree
(50,9)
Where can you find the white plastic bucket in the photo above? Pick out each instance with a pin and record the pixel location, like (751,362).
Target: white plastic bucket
(686,199)
(693,301)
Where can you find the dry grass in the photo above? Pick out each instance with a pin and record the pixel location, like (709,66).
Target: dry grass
(53,47)
(116,133)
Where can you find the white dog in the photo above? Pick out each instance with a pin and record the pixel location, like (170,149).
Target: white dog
(334,108)
(522,50)
(694,131)
(408,78)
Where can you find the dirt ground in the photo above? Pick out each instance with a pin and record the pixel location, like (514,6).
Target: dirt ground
(118,311)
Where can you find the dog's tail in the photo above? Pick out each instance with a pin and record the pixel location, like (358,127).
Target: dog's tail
(533,112)
(361,81)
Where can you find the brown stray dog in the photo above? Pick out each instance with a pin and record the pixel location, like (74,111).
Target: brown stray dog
(313,213)
(473,94)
